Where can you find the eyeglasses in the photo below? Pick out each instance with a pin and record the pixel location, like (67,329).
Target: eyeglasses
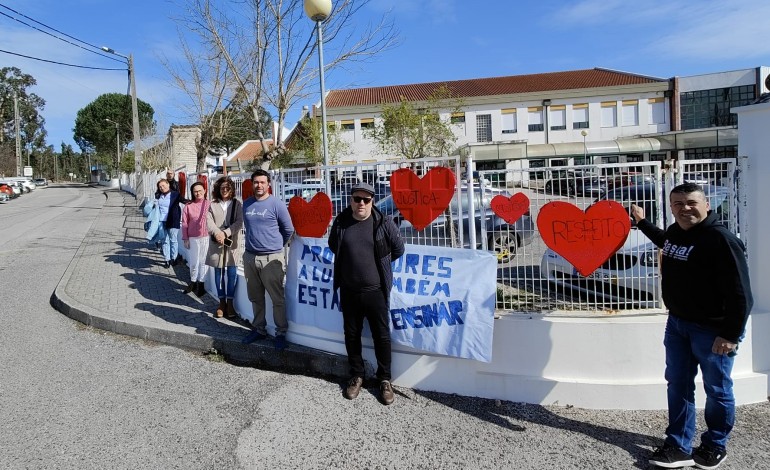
(359,199)
(225,188)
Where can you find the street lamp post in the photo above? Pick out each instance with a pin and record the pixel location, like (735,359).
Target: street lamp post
(318,11)
(584,133)
(117,138)
(135,111)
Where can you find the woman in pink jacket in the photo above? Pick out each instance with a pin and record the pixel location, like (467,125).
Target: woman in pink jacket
(195,236)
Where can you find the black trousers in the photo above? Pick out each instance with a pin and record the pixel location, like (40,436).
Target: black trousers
(372,306)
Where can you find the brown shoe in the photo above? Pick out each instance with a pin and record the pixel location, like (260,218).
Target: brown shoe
(230,310)
(354,387)
(221,309)
(386,392)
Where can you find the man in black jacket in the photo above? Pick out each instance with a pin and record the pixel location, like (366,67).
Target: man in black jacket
(364,242)
(705,280)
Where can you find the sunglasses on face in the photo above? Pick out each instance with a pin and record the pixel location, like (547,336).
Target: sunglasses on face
(359,199)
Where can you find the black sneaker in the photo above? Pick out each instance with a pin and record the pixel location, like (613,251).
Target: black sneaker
(708,457)
(669,456)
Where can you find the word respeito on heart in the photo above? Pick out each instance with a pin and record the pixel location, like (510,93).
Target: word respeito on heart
(573,231)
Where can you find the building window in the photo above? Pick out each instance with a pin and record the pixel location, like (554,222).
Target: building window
(558,118)
(483,128)
(367,123)
(634,158)
(609,114)
(457,118)
(711,108)
(630,112)
(535,115)
(347,125)
(580,116)
(611,159)
(657,110)
(508,120)
(537,163)
(559,162)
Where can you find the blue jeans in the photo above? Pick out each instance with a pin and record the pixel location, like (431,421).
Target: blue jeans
(170,239)
(231,276)
(688,345)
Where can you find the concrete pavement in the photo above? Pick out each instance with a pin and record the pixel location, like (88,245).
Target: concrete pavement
(117,282)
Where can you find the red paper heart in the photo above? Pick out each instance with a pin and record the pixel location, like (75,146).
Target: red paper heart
(510,209)
(247,189)
(585,239)
(421,200)
(311,219)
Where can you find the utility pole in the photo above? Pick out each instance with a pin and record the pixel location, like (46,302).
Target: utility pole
(135,111)
(18,132)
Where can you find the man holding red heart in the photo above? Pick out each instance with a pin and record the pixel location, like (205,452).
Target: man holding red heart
(705,280)
(365,242)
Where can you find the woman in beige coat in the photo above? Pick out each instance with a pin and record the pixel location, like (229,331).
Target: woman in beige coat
(224,222)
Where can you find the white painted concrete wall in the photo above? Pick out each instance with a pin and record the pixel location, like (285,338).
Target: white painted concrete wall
(754,143)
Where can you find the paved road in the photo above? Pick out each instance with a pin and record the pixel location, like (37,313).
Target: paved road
(75,397)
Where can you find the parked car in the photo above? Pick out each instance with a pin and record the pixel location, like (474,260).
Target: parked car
(630,276)
(628,178)
(575,183)
(503,239)
(4,196)
(697,178)
(8,190)
(41,182)
(15,186)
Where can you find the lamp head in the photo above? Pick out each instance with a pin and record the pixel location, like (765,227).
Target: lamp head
(318,10)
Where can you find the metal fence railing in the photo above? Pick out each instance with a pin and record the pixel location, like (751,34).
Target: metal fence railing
(531,276)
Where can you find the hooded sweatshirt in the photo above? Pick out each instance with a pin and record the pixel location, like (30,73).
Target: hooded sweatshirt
(704,274)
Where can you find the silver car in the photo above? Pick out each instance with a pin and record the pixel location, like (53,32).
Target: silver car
(629,276)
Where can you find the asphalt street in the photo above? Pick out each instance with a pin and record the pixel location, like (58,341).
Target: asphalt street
(72,396)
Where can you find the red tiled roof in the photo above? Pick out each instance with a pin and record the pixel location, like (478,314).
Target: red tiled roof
(250,150)
(590,78)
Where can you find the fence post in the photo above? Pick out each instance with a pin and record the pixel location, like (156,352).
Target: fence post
(471,205)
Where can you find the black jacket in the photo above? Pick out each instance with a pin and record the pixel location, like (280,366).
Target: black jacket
(388,245)
(705,276)
(174,219)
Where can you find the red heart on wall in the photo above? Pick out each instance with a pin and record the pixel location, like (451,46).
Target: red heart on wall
(311,219)
(421,200)
(510,209)
(585,239)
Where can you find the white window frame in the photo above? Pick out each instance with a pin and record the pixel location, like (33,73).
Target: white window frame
(609,114)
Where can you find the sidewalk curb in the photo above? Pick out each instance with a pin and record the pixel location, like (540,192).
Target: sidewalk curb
(295,358)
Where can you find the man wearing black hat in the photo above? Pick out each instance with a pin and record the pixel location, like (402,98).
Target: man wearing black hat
(365,241)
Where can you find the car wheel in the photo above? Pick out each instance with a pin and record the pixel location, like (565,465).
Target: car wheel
(504,246)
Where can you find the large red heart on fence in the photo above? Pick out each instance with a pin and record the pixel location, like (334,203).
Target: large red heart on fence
(585,239)
(510,209)
(311,219)
(421,200)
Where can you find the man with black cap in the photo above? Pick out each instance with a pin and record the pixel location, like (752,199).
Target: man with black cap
(365,241)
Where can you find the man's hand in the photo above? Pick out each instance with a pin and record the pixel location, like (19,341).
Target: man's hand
(637,213)
(723,346)
(187,244)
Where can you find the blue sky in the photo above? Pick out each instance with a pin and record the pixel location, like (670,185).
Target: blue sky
(437,40)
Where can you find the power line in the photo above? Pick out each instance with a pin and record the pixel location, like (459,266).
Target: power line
(57,63)
(53,35)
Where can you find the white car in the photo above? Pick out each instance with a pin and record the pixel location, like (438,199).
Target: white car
(630,276)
